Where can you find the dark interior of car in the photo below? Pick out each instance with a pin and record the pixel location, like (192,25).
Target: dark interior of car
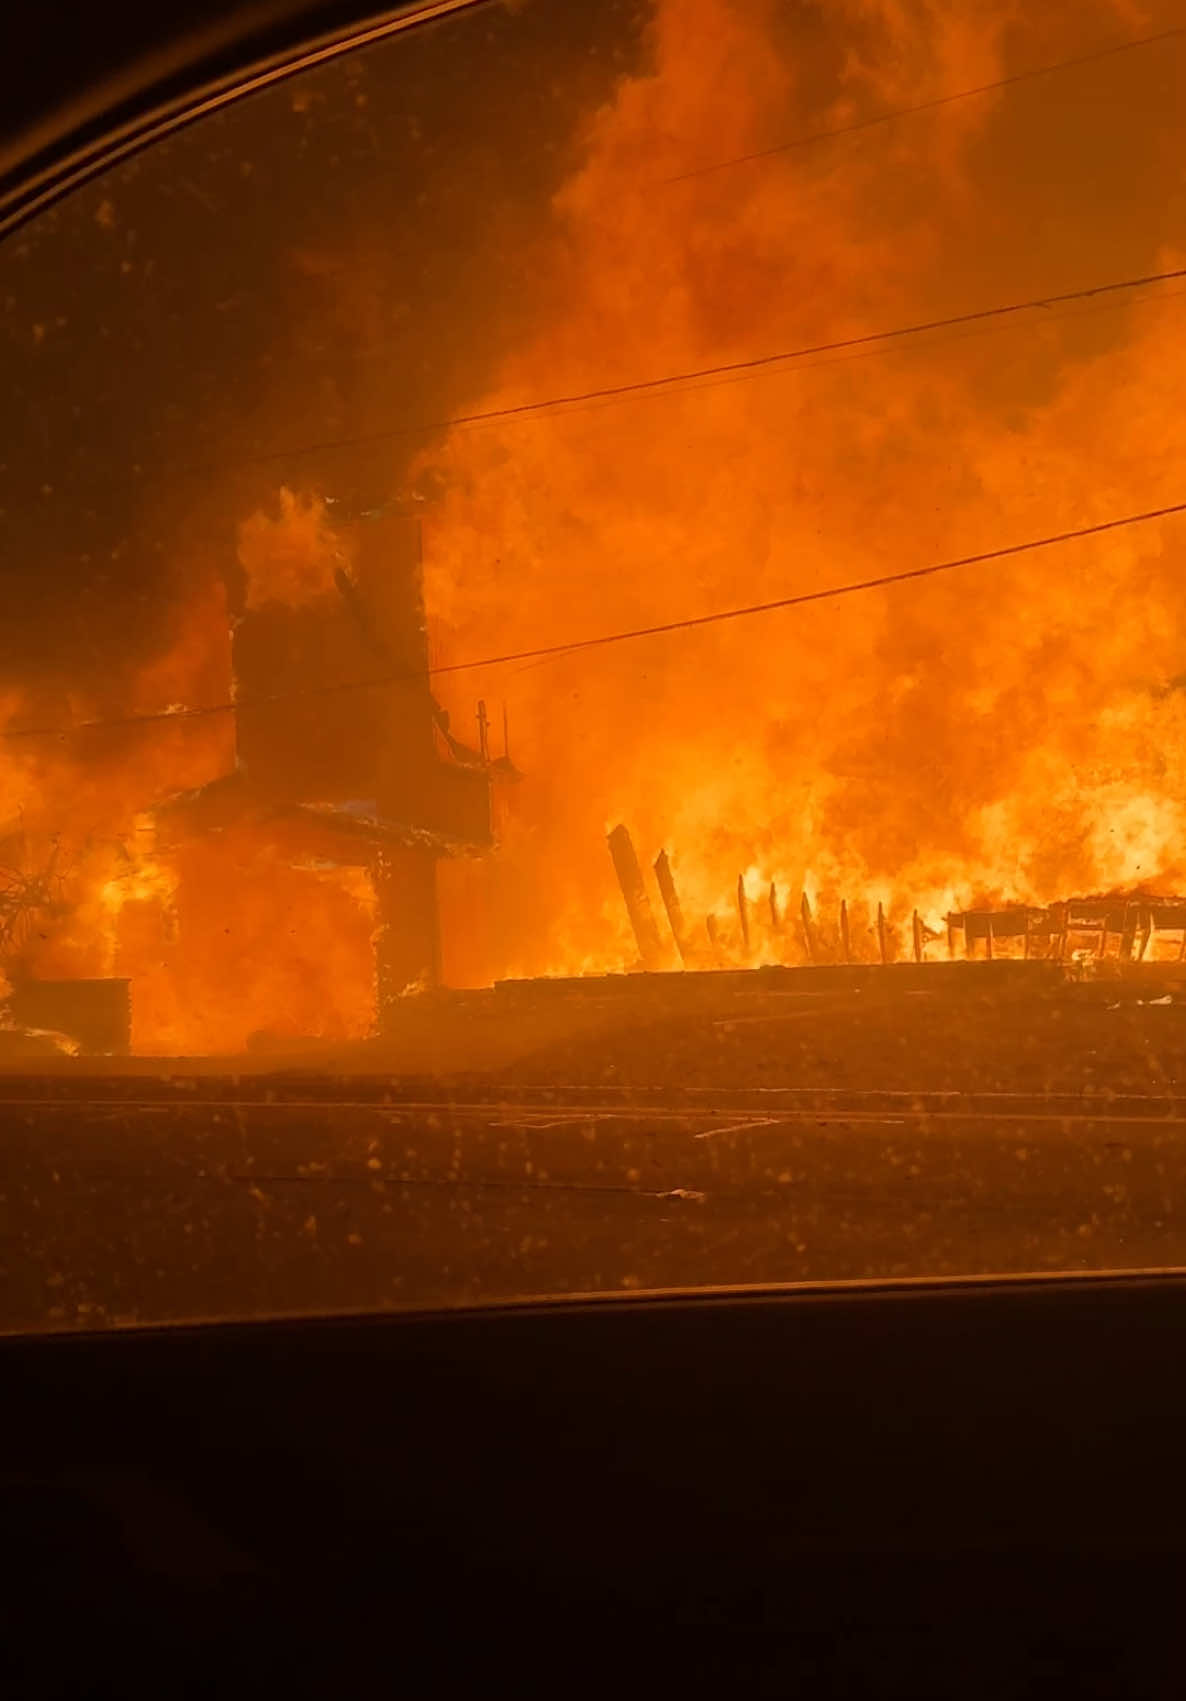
(928,1491)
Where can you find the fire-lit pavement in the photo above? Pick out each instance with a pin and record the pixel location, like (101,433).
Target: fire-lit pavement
(136,1199)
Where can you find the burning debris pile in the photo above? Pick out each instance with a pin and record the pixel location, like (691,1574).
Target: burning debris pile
(765,930)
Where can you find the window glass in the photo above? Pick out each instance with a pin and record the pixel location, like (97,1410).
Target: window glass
(591,676)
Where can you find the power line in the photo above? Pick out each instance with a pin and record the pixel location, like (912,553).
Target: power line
(962,335)
(688,623)
(715,378)
(735,368)
(712,382)
(925,105)
(739,369)
(802,597)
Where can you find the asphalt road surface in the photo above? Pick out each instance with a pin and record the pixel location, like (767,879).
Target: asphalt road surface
(128,1200)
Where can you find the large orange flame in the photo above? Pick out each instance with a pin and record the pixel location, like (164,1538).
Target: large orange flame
(996,734)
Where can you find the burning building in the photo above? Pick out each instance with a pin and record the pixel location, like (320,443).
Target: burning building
(347,777)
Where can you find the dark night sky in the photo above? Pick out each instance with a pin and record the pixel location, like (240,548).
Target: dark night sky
(344,252)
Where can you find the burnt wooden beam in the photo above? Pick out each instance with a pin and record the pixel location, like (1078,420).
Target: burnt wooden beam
(1128,934)
(809,939)
(671,903)
(743,910)
(634,894)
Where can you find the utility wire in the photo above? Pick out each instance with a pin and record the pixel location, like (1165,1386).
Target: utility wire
(688,623)
(1112,305)
(715,378)
(925,105)
(802,597)
(735,368)
(720,165)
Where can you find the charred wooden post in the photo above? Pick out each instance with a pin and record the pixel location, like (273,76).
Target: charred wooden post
(917,928)
(882,942)
(775,918)
(634,893)
(845,942)
(988,940)
(1128,934)
(951,936)
(1058,916)
(671,903)
(408,937)
(809,939)
(743,910)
